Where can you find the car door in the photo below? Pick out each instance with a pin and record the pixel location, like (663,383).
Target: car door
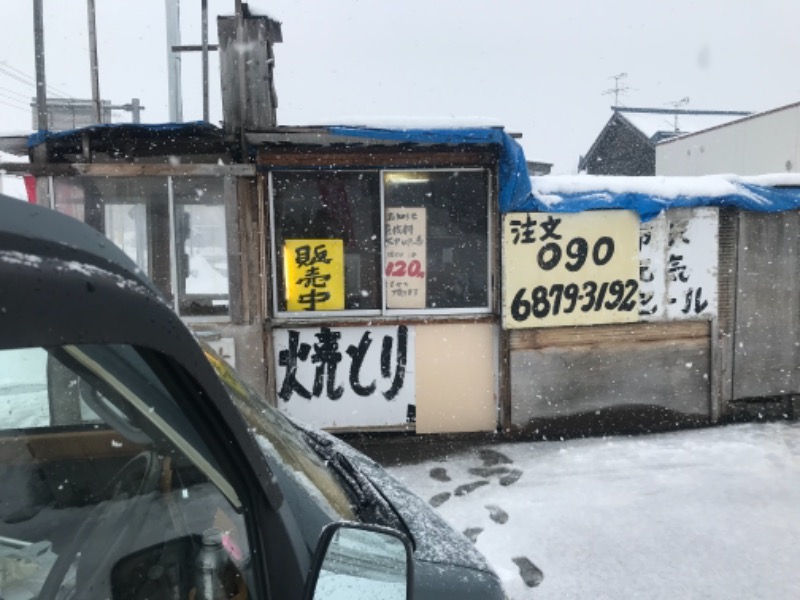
(108,488)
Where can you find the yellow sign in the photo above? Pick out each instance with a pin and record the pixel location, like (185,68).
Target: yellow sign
(570,269)
(314,274)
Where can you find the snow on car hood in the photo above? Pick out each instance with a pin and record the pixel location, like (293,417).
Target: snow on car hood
(434,540)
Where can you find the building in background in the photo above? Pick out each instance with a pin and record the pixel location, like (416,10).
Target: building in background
(627,143)
(767,142)
(64,114)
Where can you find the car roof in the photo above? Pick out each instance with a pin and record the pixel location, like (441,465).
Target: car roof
(40,231)
(62,282)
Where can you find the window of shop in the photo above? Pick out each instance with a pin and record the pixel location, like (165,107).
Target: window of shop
(173,228)
(381,242)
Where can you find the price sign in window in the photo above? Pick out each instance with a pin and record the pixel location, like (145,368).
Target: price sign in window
(406,257)
(570,269)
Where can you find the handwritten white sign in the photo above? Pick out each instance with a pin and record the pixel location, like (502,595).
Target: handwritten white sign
(346,376)
(678,265)
(406,257)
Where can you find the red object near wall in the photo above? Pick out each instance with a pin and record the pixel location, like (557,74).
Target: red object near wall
(30,187)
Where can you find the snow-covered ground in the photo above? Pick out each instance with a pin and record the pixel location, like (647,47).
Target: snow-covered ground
(711,513)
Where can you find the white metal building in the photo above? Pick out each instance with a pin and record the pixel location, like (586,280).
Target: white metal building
(767,142)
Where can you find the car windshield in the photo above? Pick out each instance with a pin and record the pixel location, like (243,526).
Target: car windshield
(282,441)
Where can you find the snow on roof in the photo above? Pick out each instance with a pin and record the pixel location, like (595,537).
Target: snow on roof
(757,115)
(5,157)
(650,124)
(712,186)
(404,123)
(650,195)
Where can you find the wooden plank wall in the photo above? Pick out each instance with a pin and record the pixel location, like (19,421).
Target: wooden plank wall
(573,371)
(766,358)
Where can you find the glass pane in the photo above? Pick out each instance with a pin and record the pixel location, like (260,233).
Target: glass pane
(126,226)
(201,246)
(132,212)
(437,250)
(130,505)
(322,220)
(68,196)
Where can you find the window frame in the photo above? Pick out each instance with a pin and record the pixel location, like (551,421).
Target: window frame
(171,210)
(383,311)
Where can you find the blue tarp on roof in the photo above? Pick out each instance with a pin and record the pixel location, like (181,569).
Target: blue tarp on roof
(650,202)
(193,128)
(646,195)
(515,184)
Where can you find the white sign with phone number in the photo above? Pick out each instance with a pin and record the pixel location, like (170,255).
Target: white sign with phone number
(570,269)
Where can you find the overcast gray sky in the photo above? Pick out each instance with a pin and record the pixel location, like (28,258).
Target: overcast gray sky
(539,68)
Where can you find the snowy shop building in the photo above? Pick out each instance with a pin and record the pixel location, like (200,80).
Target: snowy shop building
(350,273)
(411,279)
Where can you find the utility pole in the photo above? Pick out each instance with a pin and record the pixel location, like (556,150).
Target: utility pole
(174,60)
(174,50)
(95,71)
(41,87)
(204,41)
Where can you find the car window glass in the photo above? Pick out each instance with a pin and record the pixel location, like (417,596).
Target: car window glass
(281,440)
(117,499)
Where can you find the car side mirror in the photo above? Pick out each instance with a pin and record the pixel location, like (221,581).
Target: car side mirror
(356,560)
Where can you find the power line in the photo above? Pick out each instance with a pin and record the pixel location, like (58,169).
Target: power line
(12,99)
(22,77)
(15,106)
(25,97)
(54,90)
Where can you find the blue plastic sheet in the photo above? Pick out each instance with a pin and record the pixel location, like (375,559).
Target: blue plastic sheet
(515,193)
(185,129)
(746,197)
(515,184)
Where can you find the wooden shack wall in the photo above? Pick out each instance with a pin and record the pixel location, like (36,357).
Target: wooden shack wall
(766,346)
(568,372)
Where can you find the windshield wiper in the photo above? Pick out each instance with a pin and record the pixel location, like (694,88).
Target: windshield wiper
(370,505)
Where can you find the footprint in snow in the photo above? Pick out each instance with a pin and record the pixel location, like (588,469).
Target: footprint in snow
(439,499)
(530,573)
(512,477)
(491,457)
(497,514)
(471,533)
(489,471)
(466,488)
(439,474)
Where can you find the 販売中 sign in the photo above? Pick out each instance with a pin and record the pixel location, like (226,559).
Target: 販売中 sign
(570,269)
(314,274)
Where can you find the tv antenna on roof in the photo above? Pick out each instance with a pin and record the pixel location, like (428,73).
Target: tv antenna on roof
(676,104)
(618,90)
